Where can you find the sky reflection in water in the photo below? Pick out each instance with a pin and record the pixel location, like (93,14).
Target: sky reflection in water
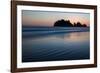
(63,46)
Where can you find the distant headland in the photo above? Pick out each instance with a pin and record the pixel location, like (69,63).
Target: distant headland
(67,23)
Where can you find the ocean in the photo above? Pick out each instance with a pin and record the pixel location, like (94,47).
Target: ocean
(55,44)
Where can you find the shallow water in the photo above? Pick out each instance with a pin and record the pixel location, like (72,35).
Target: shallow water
(52,47)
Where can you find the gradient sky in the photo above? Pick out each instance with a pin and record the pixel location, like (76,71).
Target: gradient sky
(45,18)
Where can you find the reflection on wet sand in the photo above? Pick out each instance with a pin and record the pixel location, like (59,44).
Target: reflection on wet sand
(62,46)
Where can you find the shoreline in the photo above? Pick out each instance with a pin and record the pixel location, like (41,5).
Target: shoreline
(43,33)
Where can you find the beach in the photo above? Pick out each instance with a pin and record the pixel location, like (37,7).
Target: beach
(55,43)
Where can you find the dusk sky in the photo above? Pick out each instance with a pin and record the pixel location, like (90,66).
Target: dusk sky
(44,18)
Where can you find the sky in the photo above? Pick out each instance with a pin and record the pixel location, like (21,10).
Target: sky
(45,18)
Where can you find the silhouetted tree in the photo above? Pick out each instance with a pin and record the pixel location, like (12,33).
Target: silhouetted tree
(84,25)
(79,24)
(67,23)
(75,25)
(60,23)
(63,23)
